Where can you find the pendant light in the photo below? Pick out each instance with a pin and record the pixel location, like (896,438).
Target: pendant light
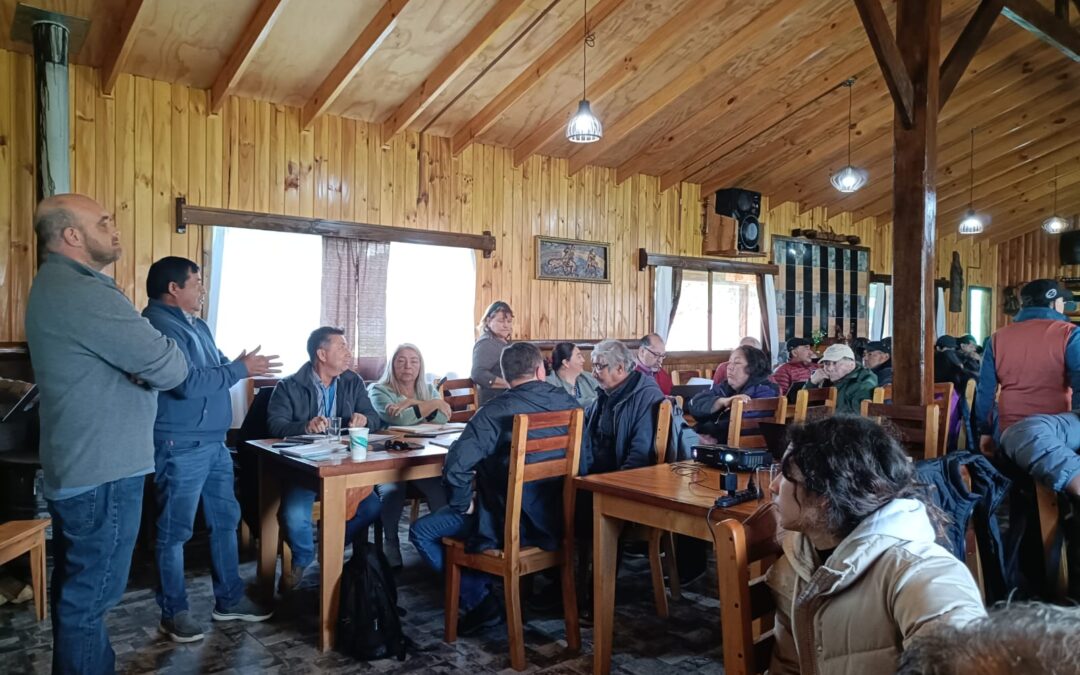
(1055,224)
(972,223)
(850,178)
(584,126)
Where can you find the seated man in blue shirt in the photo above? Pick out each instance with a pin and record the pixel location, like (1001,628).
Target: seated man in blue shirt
(482,454)
(191,461)
(303,403)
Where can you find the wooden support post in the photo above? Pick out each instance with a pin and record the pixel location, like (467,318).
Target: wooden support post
(918,26)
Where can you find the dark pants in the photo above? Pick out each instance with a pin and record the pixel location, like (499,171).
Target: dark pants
(426,535)
(93,539)
(186,473)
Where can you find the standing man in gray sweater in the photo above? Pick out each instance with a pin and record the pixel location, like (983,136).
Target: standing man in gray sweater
(98,366)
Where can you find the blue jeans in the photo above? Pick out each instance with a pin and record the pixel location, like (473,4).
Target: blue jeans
(186,472)
(426,535)
(392,496)
(93,539)
(296,503)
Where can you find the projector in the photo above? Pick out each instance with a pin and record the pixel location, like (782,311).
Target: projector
(732,459)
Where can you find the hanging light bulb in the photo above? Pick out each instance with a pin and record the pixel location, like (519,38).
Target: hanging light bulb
(584,126)
(850,178)
(1055,224)
(972,223)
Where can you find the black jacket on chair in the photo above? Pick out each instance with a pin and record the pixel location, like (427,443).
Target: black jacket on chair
(483,451)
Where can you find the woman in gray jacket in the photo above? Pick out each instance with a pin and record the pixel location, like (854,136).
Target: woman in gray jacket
(494,331)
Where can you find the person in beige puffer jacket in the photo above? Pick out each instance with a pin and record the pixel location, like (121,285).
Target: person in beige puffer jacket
(861,573)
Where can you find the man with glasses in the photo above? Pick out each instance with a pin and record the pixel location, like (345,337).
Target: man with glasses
(854,383)
(650,360)
(620,425)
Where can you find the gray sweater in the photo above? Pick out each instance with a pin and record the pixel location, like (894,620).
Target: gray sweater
(87,343)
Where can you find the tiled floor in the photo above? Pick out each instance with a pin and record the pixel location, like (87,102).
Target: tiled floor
(687,642)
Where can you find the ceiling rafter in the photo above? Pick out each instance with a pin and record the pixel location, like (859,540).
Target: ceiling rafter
(558,52)
(638,58)
(450,67)
(1012,188)
(1042,23)
(764,24)
(1020,221)
(113,62)
(959,58)
(365,45)
(254,35)
(887,52)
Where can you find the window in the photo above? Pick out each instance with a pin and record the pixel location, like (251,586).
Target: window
(715,311)
(265,289)
(979,312)
(880,308)
(430,293)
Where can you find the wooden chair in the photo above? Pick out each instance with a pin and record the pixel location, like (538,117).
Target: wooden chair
(741,428)
(943,392)
(27,536)
(745,600)
(512,562)
(1049,527)
(969,396)
(683,376)
(805,399)
(461,395)
(917,425)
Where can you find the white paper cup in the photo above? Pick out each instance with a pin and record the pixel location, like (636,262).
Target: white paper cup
(358,442)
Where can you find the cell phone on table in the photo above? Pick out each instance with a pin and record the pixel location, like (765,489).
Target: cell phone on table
(284,444)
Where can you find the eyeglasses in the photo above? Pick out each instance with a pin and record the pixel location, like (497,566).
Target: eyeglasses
(659,355)
(599,366)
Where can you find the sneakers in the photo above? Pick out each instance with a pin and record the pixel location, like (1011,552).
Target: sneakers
(485,615)
(291,580)
(392,550)
(182,628)
(244,610)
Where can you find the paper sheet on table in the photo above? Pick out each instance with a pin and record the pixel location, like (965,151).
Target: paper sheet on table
(699,380)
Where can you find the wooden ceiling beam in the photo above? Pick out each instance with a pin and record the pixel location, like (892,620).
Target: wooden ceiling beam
(965,47)
(888,55)
(1020,221)
(647,52)
(450,67)
(362,49)
(255,33)
(1013,189)
(558,52)
(758,31)
(120,46)
(1042,23)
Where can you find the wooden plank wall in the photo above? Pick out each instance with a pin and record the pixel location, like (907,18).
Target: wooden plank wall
(1034,255)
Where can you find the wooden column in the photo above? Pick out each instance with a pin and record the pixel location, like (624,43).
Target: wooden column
(918,24)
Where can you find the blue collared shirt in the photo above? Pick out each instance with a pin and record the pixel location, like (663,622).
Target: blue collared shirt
(328,394)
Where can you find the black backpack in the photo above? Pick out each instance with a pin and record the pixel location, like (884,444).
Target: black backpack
(369,626)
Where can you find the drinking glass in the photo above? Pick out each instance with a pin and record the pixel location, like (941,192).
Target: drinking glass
(764,475)
(333,430)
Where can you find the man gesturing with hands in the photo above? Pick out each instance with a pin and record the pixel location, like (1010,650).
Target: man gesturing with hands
(190,457)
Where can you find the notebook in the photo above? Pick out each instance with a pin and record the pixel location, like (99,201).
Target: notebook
(429,430)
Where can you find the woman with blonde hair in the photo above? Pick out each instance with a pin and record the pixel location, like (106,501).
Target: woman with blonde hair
(404,397)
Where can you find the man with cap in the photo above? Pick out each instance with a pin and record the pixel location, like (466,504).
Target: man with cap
(853,382)
(968,352)
(799,367)
(1035,360)
(877,357)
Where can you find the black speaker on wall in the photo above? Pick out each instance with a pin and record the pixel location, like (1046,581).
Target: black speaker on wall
(745,207)
(1069,248)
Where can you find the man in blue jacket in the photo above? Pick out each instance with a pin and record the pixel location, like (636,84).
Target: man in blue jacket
(190,457)
(477,507)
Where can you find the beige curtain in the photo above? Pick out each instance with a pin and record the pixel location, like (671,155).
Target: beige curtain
(354,292)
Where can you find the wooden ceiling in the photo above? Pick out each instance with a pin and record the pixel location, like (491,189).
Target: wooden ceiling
(720,92)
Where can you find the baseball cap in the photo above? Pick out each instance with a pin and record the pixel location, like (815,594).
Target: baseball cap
(947,342)
(837,352)
(796,342)
(967,340)
(1043,293)
(877,346)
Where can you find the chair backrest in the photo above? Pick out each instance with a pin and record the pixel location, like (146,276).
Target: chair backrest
(683,376)
(916,424)
(663,431)
(943,393)
(823,397)
(745,600)
(743,431)
(522,472)
(461,395)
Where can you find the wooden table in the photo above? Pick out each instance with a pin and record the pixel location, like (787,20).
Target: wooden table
(660,496)
(340,484)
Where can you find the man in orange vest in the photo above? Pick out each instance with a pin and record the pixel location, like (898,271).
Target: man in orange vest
(1035,360)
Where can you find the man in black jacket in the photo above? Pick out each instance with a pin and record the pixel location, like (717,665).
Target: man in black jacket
(302,403)
(483,452)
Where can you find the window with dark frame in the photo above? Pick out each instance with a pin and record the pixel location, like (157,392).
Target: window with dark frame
(715,311)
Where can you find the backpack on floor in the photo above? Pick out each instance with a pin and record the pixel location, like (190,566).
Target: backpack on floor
(369,626)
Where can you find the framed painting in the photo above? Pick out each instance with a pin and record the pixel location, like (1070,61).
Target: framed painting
(572,260)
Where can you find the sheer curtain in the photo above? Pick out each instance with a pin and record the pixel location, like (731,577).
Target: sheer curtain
(667,287)
(354,292)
